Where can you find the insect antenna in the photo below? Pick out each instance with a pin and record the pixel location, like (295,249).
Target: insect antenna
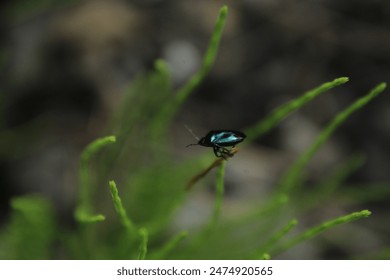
(193,134)
(194,144)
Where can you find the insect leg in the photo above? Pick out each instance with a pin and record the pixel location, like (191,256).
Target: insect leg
(222,152)
(217,151)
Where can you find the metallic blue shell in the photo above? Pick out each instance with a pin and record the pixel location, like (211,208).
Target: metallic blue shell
(222,138)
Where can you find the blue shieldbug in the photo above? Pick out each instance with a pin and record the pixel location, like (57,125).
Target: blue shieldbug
(221,140)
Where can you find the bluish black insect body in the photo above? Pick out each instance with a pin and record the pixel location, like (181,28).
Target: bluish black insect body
(222,141)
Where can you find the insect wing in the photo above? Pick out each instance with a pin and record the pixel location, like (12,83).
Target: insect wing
(225,138)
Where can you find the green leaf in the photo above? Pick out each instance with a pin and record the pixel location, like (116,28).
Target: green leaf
(280,113)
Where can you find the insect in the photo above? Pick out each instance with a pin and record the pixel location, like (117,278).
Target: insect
(222,141)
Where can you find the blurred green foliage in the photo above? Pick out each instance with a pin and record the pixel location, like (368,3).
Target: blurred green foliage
(22,9)
(32,230)
(151,187)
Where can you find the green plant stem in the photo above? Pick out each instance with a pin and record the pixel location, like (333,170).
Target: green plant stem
(83,216)
(170,245)
(265,256)
(143,248)
(219,191)
(275,239)
(208,60)
(84,208)
(310,233)
(294,174)
(284,110)
(120,210)
(182,94)
(167,112)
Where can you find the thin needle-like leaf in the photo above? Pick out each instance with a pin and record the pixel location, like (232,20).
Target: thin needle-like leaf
(124,219)
(143,248)
(84,208)
(294,175)
(312,232)
(280,113)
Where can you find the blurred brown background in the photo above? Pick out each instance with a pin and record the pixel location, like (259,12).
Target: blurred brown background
(65,65)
